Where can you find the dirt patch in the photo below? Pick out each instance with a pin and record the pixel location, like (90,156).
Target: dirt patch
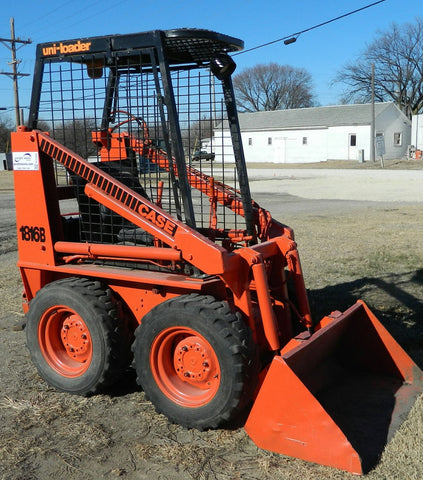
(349,250)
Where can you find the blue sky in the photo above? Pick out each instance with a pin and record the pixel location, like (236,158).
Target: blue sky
(322,51)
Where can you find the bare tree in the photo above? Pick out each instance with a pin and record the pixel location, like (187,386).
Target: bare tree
(76,135)
(273,87)
(197,132)
(398,58)
(6,127)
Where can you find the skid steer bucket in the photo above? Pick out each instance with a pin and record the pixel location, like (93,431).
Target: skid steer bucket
(336,397)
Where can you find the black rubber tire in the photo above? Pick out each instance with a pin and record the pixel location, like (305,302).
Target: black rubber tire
(231,341)
(93,303)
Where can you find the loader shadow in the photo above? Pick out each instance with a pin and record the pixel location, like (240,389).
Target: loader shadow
(362,407)
(368,407)
(395,299)
(126,385)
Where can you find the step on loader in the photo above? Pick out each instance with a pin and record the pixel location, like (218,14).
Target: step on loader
(130,250)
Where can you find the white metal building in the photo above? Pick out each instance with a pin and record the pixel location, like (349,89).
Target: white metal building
(340,132)
(417,132)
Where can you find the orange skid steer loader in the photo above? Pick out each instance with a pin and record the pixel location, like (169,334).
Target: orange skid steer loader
(128,252)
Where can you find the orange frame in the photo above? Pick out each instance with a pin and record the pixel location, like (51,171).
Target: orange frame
(239,276)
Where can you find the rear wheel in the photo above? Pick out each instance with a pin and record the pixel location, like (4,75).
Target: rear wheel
(195,361)
(75,337)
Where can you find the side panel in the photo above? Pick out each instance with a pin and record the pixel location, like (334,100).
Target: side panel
(37,208)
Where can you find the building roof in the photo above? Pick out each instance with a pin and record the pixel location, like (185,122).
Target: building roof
(315,117)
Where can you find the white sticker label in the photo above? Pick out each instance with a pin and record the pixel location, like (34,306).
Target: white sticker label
(25,161)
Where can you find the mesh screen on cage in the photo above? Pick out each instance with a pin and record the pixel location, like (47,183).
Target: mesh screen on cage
(120,121)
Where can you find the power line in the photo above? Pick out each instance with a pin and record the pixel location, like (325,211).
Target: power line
(37,21)
(293,37)
(86,18)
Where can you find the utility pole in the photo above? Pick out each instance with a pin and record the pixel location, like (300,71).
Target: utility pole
(10,43)
(372,129)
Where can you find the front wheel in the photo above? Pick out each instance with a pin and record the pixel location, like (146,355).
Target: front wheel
(74,335)
(196,361)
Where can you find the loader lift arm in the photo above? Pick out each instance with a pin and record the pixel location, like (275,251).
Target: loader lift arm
(137,209)
(108,142)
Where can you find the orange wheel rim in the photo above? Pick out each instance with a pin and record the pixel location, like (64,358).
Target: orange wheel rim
(65,341)
(185,367)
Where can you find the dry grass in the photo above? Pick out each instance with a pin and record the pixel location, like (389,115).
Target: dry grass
(47,427)
(6,181)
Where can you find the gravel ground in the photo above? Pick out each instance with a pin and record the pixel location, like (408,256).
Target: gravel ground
(336,184)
